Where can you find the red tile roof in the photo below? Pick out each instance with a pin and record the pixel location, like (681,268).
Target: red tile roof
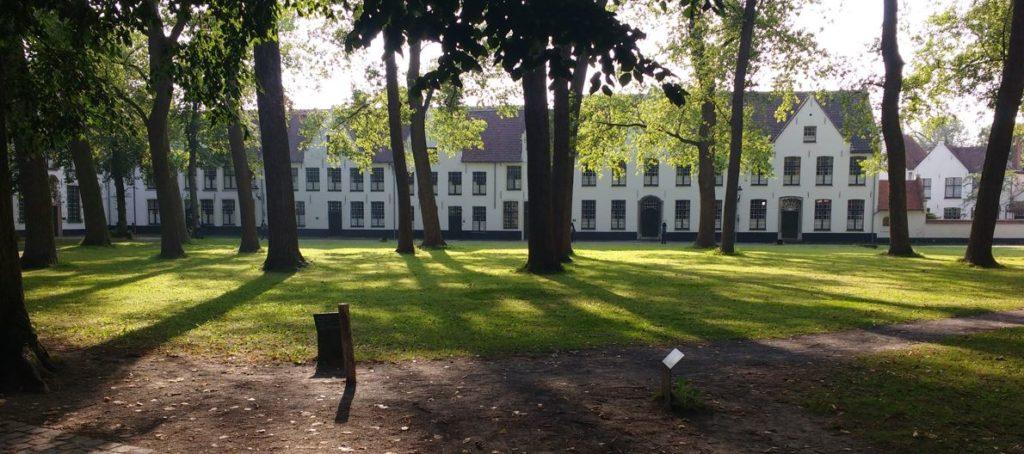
(915,195)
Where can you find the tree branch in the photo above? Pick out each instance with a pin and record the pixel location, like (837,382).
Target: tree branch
(184,13)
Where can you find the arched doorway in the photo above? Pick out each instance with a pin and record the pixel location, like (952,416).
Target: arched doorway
(650,217)
(790,209)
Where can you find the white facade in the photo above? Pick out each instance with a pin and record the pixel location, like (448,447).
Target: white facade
(949,186)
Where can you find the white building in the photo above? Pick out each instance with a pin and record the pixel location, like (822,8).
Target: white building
(816,193)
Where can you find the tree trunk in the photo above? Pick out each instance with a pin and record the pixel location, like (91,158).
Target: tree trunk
(96,231)
(17,371)
(1000,143)
(243,183)
(192,137)
(283,236)
(405,242)
(561,169)
(564,192)
(173,233)
(706,173)
(542,258)
(40,246)
(739,87)
(892,131)
(121,229)
(432,237)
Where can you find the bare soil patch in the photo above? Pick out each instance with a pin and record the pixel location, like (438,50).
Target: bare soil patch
(587,401)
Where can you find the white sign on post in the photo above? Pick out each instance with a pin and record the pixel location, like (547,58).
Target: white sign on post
(673,358)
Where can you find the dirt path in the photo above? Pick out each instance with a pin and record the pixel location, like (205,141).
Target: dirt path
(589,401)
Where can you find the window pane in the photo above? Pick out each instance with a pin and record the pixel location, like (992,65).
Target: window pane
(682,220)
(618,215)
(510,215)
(683,176)
(822,215)
(758,214)
(588,215)
(791,171)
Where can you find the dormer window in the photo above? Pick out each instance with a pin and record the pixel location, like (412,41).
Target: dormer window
(810,134)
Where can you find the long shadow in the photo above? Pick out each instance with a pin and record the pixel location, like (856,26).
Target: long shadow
(345,404)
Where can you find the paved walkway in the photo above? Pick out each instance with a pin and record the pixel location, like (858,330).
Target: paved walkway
(18,437)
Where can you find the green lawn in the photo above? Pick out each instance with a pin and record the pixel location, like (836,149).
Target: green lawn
(470,299)
(963,395)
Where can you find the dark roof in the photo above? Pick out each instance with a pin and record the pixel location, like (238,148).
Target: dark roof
(915,195)
(838,105)
(973,158)
(503,138)
(915,152)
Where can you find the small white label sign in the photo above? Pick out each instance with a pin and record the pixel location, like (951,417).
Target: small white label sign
(673,358)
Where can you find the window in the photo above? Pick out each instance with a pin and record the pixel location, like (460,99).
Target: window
(147,179)
(951,213)
(683,176)
(229,178)
(412,183)
(205,211)
(759,214)
(479,183)
(69,174)
(210,179)
(855,215)
(356,214)
(718,215)
(588,214)
(312,178)
(514,178)
(334,179)
(187,180)
(810,134)
(857,176)
(454,183)
(510,215)
(479,219)
(823,175)
(926,183)
(377,179)
(718,178)
(295,178)
(651,174)
(822,215)
(300,213)
(227,212)
(377,214)
(618,215)
(954,187)
(682,215)
(433,181)
(758,179)
(619,175)
(355,180)
(21,209)
(74,205)
(791,171)
(589,178)
(153,212)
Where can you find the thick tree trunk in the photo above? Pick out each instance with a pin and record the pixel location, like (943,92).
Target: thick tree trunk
(542,258)
(561,169)
(17,371)
(96,230)
(283,236)
(739,86)
(432,237)
(892,132)
(563,187)
(706,174)
(243,182)
(173,232)
(40,245)
(192,137)
(121,229)
(1000,143)
(405,241)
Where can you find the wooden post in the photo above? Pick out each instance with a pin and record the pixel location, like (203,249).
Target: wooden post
(347,350)
(666,387)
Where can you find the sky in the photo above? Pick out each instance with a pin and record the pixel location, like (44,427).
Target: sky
(848,29)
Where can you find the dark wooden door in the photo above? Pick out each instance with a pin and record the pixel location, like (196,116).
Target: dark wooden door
(334,225)
(650,218)
(454,221)
(790,228)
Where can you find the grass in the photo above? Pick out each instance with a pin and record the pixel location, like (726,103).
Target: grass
(963,395)
(470,298)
